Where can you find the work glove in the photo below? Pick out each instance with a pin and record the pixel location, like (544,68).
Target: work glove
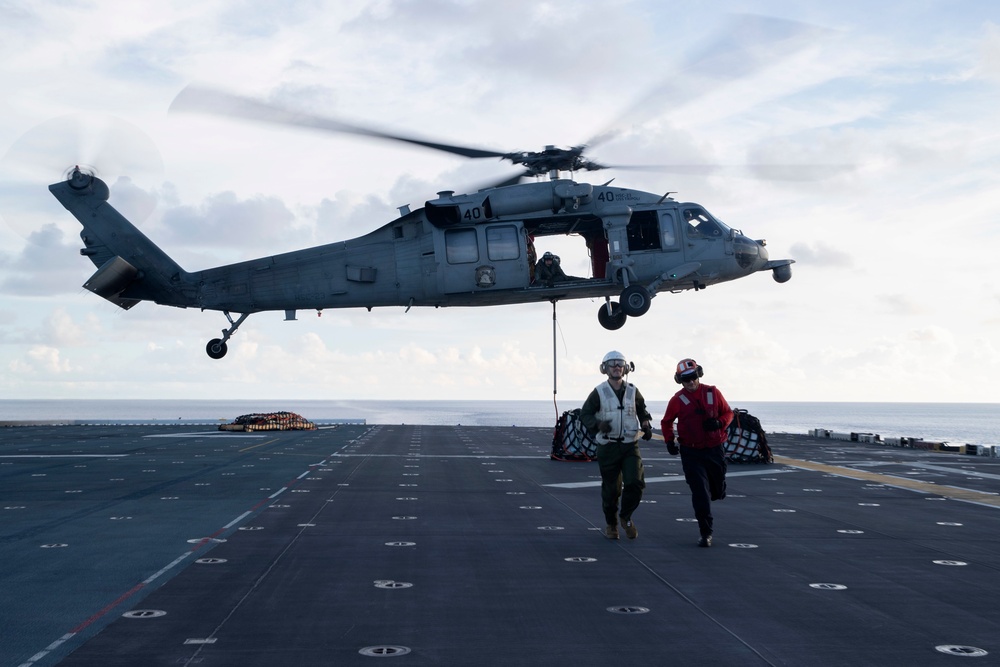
(604,427)
(711,424)
(647,432)
(672,447)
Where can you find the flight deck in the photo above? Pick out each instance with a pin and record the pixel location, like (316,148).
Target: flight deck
(455,545)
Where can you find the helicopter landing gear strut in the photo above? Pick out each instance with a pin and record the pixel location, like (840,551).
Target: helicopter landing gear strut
(611,315)
(635,302)
(217,347)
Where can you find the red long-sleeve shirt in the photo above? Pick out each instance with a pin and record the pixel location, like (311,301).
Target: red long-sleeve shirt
(691,409)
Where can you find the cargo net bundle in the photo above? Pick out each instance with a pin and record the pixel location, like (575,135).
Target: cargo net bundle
(747,441)
(269,421)
(571,441)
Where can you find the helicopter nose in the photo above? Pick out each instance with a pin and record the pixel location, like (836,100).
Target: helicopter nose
(748,252)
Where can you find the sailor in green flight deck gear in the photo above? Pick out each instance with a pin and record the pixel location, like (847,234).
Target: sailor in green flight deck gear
(615,414)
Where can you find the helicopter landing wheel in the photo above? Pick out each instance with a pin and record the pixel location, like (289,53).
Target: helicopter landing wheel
(216,348)
(635,300)
(613,320)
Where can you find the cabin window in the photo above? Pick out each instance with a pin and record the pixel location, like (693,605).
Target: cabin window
(643,231)
(502,242)
(667,230)
(461,246)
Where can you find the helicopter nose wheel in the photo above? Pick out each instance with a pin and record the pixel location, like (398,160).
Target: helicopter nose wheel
(635,300)
(611,316)
(216,348)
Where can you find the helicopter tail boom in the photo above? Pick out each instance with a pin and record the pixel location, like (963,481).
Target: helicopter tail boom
(130,267)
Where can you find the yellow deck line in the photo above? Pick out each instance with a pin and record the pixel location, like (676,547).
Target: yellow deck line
(912,484)
(247,449)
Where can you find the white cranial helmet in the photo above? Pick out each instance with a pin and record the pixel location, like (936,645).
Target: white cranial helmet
(613,355)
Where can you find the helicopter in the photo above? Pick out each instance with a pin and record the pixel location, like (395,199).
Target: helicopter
(457,250)
(474,249)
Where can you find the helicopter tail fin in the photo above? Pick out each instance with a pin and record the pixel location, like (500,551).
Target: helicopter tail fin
(130,267)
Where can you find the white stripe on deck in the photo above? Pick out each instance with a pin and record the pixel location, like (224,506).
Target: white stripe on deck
(669,478)
(206,434)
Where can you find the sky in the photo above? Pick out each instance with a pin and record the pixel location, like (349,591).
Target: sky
(884,115)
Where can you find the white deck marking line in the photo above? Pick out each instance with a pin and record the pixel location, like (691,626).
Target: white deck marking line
(166,568)
(62,456)
(436,456)
(957,471)
(671,478)
(236,520)
(48,649)
(206,434)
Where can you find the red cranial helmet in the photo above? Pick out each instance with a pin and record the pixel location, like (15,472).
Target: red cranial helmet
(686,368)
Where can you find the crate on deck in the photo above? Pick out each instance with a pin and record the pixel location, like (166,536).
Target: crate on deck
(269,421)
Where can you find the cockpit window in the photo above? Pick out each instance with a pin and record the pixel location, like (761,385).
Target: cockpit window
(701,224)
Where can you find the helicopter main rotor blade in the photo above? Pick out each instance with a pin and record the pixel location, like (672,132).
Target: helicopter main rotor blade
(746,45)
(215,102)
(511,180)
(770,172)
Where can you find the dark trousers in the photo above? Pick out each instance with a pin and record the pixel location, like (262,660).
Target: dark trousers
(705,473)
(621,476)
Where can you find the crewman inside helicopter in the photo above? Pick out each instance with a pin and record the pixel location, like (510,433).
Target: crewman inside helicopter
(548,271)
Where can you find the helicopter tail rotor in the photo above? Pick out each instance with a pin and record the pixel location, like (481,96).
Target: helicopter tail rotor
(94,144)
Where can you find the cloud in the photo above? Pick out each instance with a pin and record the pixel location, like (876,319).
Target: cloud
(44,266)
(989,52)
(41,360)
(348,215)
(61,330)
(143,62)
(136,204)
(229,224)
(901,304)
(821,255)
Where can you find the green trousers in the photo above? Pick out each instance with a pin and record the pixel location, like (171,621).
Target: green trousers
(621,477)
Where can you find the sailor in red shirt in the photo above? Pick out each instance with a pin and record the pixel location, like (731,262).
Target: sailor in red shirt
(702,415)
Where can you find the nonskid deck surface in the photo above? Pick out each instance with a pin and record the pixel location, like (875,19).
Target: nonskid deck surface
(452,545)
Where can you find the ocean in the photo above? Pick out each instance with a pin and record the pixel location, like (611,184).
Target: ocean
(973,423)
